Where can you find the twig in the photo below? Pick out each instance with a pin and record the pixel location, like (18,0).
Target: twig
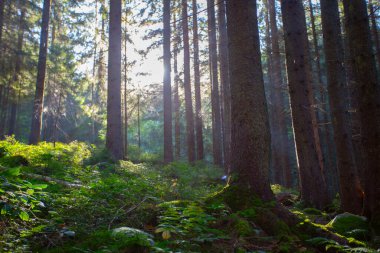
(129,210)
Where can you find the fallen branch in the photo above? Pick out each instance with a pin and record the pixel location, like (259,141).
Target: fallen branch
(49,180)
(129,210)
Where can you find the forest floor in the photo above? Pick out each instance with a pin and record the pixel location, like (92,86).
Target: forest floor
(72,198)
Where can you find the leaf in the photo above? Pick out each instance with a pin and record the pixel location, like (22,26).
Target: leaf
(12,172)
(39,186)
(24,216)
(166,235)
(30,191)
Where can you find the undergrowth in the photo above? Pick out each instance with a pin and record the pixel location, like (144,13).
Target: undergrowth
(80,201)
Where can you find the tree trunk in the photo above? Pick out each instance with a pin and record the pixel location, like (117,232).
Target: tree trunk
(375,34)
(2,4)
(114,142)
(322,112)
(168,138)
(35,131)
(250,136)
(187,84)
(197,86)
(225,84)
(125,87)
(215,98)
(367,89)
(176,101)
(350,190)
(313,185)
(281,135)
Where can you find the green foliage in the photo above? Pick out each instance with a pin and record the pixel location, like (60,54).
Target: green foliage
(350,225)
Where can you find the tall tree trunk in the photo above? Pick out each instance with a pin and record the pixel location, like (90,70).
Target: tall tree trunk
(327,147)
(215,97)
(281,135)
(125,87)
(250,137)
(114,142)
(176,101)
(187,84)
(225,83)
(350,191)
(35,131)
(375,34)
(197,86)
(368,96)
(313,185)
(2,4)
(94,136)
(168,137)
(17,73)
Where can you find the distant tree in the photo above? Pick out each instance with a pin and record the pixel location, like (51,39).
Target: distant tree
(313,185)
(35,131)
(366,89)
(168,137)
(114,140)
(225,83)
(17,72)
(250,136)
(197,85)
(350,190)
(215,96)
(375,32)
(281,162)
(187,85)
(176,100)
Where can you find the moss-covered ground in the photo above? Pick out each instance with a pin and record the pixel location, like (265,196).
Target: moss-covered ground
(72,198)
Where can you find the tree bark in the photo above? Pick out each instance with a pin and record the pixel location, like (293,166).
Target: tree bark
(367,89)
(168,138)
(35,131)
(350,190)
(187,84)
(126,87)
(250,136)
(197,86)
(114,142)
(225,84)
(313,185)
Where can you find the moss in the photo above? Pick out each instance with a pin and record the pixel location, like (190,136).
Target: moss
(241,226)
(312,211)
(271,223)
(346,223)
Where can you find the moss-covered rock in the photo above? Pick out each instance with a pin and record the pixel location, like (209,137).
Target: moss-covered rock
(134,238)
(350,225)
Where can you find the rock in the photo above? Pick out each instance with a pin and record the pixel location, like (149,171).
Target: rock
(347,223)
(136,236)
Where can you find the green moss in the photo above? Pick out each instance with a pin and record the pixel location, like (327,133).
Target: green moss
(312,211)
(241,226)
(346,224)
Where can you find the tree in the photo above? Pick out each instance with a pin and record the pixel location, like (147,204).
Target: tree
(281,161)
(313,185)
(250,137)
(114,142)
(176,100)
(225,83)
(366,88)
(215,96)
(351,197)
(197,86)
(35,131)
(187,84)
(375,33)
(168,138)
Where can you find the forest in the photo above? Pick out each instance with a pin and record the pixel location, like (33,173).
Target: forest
(231,126)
